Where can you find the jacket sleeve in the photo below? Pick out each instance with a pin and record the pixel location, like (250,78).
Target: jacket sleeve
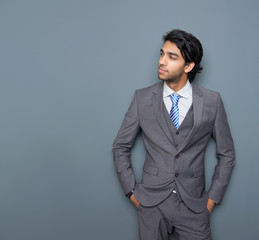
(224,152)
(122,147)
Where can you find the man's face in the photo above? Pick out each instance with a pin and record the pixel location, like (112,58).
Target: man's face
(172,67)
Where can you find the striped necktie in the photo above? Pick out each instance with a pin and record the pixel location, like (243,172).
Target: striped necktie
(174,113)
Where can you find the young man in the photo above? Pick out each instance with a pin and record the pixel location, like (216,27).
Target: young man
(177,119)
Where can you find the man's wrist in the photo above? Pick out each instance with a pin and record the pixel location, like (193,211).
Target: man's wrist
(213,201)
(128,195)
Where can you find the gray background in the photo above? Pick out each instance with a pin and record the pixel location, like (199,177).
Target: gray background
(68,72)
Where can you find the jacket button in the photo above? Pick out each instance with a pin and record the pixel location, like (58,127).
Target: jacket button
(177,133)
(177,156)
(177,174)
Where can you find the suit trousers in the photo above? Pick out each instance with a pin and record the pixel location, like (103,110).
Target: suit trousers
(173,216)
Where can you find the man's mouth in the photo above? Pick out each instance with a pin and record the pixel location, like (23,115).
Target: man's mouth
(162,70)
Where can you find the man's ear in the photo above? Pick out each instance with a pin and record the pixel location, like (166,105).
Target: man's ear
(188,67)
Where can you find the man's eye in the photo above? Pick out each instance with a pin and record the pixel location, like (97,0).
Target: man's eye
(173,57)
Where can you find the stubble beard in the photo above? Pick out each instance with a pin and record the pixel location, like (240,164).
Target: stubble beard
(171,79)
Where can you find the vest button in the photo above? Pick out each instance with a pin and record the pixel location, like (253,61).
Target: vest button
(177,174)
(177,156)
(177,133)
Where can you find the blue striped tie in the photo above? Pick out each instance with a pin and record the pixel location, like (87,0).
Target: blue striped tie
(174,113)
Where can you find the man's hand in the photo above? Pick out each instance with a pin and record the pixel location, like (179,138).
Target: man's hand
(134,200)
(210,205)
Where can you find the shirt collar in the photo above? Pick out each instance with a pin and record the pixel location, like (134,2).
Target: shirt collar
(185,92)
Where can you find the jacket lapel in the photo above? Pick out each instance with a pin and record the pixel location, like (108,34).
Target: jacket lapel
(158,109)
(198,102)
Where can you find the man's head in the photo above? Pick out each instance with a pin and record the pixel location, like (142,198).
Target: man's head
(181,55)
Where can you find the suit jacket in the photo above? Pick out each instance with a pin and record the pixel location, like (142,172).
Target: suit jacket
(166,164)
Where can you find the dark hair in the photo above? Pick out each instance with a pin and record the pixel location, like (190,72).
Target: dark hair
(190,47)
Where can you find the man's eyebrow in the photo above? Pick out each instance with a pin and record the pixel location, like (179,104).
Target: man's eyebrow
(173,53)
(170,53)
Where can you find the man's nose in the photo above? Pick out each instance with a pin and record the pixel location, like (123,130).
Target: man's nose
(162,60)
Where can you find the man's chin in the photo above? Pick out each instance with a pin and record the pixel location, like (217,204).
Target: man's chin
(168,80)
(162,78)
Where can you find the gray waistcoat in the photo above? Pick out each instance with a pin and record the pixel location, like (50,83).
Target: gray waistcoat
(182,132)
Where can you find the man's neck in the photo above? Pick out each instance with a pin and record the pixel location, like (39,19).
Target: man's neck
(177,86)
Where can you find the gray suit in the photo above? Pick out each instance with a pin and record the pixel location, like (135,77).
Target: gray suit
(168,164)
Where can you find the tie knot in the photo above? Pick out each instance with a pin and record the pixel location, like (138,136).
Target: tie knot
(175,98)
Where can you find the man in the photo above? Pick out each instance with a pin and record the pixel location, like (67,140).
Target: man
(177,119)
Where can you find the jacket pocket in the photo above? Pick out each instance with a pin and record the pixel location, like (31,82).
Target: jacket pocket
(150,169)
(197,172)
